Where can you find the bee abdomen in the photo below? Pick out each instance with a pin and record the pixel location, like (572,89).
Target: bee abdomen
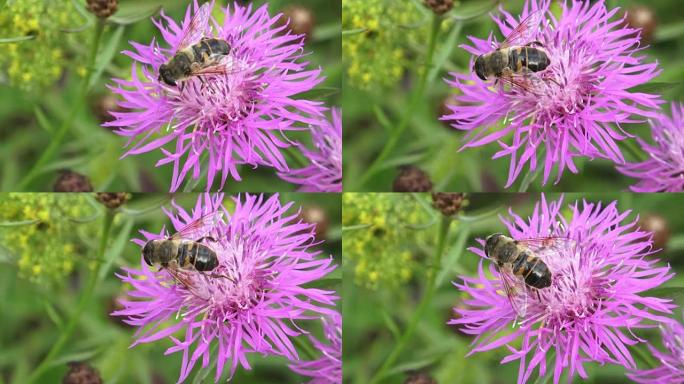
(538,275)
(205,259)
(520,264)
(208,48)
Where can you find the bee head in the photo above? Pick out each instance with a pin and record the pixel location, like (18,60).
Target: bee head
(168,75)
(491,242)
(479,68)
(147,252)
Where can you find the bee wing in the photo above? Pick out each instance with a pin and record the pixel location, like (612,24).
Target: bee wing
(524,32)
(515,290)
(551,248)
(196,29)
(527,82)
(184,280)
(200,227)
(224,67)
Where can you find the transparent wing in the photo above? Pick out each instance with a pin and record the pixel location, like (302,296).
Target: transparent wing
(200,227)
(560,250)
(527,82)
(515,290)
(524,32)
(182,279)
(224,67)
(196,29)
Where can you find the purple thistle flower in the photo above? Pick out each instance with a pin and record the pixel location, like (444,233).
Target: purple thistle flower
(328,368)
(672,368)
(569,107)
(239,117)
(664,170)
(592,305)
(324,174)
(251,301)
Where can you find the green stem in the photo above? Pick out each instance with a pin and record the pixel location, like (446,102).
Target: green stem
(431,287)
(56,140)
(416,98)
(304,346)
(295,157)
(84,300)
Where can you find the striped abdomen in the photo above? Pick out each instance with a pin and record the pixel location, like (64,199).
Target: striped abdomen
(193,255)
(532,269)
(532,58)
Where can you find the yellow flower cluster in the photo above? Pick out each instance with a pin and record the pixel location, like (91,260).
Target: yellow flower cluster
(383,238)
(47,249)
(375,54)
(39,62)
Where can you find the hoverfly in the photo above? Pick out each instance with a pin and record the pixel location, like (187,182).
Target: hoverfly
(198,55)
(517,59)
(524,265)
(186,251)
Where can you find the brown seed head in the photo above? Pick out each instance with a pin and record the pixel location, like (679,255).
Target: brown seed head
(301,20)
(411,179)
(449,203)
(112,200)
(658,225)
(420,378)
(440,7)
(69,181)
(81,373)
(642,17)
(102,8)
(315,214)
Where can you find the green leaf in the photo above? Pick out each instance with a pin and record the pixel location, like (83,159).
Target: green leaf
(353,31)
(472,10)
(53,314)
(75,356)
(319,93)
(132,12)
(89,19)
(666,292)
(444,53)
(106,55)
(43,121)
(116,248)
(355,227)
(653,87)
(669,31)
(454,254)
(18,223)
(479,216)
(16,39)
(327,31)
(391,325)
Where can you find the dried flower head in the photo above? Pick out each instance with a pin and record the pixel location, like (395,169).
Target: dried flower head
(324,174)
(671,369)
(439,7)
(299,19)
(112,200)
(70,181)
(411,179)
(102,8)
(328,368)
(250,302)
(233,118)
(81,373)
(594,301)
(449,203)
(664,170)
(567,110)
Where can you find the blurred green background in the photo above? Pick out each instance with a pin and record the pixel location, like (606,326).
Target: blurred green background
(376,312)
(384,48)
(41,81)
(48,249)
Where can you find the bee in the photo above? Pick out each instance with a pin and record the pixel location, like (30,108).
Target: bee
(197,55)
(524,264)
(180,256)
(516,60)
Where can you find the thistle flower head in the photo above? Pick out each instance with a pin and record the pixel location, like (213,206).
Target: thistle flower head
(671,369)
(324,174)
(232,118)
(664,170)
(328,368)
(566,110)
(249,303)
(594,301)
